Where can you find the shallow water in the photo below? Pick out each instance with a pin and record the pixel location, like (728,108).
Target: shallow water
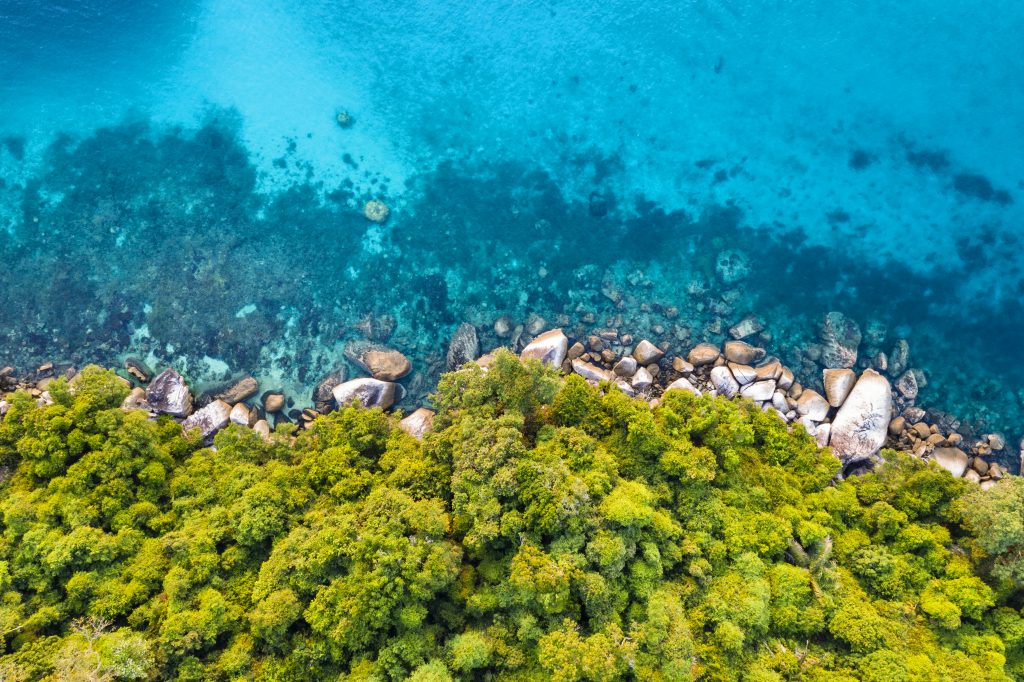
(174,184)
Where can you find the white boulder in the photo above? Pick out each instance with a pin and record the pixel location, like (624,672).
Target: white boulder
(860,427)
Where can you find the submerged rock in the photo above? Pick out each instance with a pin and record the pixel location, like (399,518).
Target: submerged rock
(376,211)
(210,419)
(369,393)
(859,428)
(464,346)
(840,337)
(168,394)
(550,348)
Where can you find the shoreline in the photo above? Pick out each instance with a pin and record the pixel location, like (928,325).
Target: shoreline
(857,413)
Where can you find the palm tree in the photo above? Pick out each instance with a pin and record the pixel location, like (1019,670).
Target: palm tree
(817,562)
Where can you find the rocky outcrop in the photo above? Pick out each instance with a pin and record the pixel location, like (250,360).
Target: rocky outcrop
(210,419)
(169,394)
(368,393)
(859,428)
(464,346)
(550,348)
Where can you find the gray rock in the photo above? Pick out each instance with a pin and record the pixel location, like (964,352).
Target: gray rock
(732,266)
(724,381)
(899,358)
(759,390)
(418,423)
(953,460)
(168,394)
(859,428)
(779,402)
(647,353)
(550,348)
(742,353)
(838,384)
(626,367)
(748,326)
(786,378)
(464,346)
(323,394)
(210,419)
(822,434)
(243,389)
(840,338)
(907,385)
(263,428)
(642,379)
(368,393)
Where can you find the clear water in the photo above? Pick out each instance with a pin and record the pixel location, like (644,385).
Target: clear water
(173,182)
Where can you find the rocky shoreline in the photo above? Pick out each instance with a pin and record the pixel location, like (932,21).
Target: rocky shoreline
(855,414)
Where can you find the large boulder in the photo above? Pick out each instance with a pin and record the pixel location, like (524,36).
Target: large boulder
(703,354)
(168,394)
(840,338)
(647,353)
(838,384)
(742,353)
(953,460)
(683,384)
(210,419)
(369,393)
(464,346)
(550,348)
(590,372)
(237,391)
(724,382)
(380,363)
(859,428)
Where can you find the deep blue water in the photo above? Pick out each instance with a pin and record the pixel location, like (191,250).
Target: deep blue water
(173,182)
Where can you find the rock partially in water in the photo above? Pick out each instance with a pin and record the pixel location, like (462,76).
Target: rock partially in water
(273,401)
(748,326)
(464,346)
(381,363)
(243,389)
(647,353)
(899,358)
(840,338)
(138,369)
(703,354)
(418,423)
(838,384)
(369,393)
(859,428)
(742,353)
(323,394)
(210,419)
(169,394)
(550,348)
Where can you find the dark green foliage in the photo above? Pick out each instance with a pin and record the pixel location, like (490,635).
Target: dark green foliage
(544,531)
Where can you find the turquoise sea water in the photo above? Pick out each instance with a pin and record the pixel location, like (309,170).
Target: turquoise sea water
(174,183)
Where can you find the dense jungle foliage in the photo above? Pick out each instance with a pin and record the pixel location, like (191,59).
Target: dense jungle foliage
(544,531)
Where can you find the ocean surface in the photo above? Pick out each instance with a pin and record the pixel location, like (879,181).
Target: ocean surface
(175,184)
